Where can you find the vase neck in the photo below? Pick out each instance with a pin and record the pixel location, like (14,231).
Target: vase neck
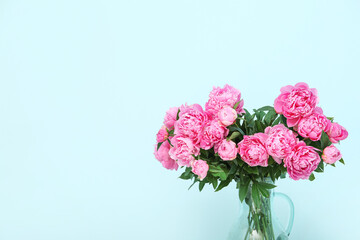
(262,199)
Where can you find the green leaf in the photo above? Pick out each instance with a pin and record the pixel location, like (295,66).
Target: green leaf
(212,180)
(186,176)
(266,108)
(222,176)
(330,118)
(171,132)
(255,194)
(284,120)
(170,142)
(320,167)
(201,185)
(249,117)
(195,180)
(233,135)
(262,115)
(234,128)
(204,153)
(214,169)
(251,124)
(271,162)
(214,183)
(236,105)
(218,171)
(266,185)
(259,126)
(342,161)
(259,114)
(253,170)
(243,189)
(223,184)
(272,174)
(270,117)
(316,144)
(325,141)
(312,177)
(177,115)
(158,145)
(233,169)
(265,192)
(276,121)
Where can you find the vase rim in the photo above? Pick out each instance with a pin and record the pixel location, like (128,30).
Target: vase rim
(268,180)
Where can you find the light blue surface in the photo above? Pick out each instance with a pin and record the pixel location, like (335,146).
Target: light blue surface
(84,86)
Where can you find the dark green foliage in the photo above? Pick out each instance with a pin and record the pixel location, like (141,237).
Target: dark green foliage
(223,184)
(325,141)
(236,105)
(320,167)
(283,120)
(158,145)
(177,115)
(201,185)
(187,174)
(255,194)
(243,188)
(312,177)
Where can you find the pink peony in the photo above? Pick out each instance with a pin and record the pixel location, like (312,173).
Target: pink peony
(280,142)
(221,97)
(162,135)
(337,133)
(227,115)
(191,122)
(200,168)
(213,133)
(331,154)
(183,150)
(296,102)
(170,117)
(227,150)
(163,156)
(313,125)
(253,151)
(302,161)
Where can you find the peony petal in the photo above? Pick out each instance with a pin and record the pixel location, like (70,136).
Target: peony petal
(262,136)
(287,88)
(302,85)
(318,110)
(267,130)
(278,105)
(278,160)
(197,107)
(292,122)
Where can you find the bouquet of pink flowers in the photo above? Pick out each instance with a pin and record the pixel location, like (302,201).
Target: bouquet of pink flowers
(226,142)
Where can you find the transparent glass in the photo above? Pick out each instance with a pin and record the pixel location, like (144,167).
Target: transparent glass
(260,222)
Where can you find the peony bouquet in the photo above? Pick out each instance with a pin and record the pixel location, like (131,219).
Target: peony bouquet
(225,142)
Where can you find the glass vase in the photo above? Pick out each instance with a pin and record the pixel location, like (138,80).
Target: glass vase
(259,222)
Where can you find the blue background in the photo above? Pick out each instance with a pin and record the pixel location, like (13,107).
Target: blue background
(84,86)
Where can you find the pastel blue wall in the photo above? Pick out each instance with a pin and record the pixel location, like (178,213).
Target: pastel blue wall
(84,86)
